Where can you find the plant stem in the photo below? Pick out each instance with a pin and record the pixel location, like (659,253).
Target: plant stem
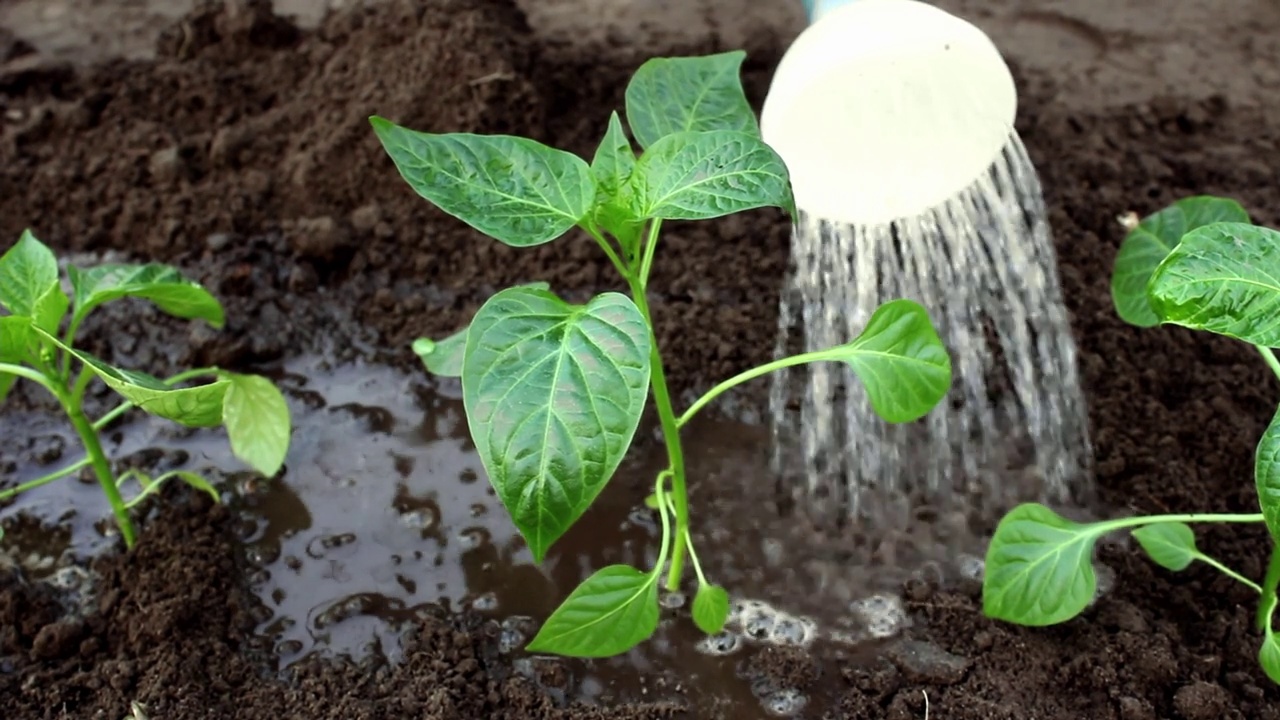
(753,373)
(101,469)
(1269,584)
(1128,522)
(1228,572)
(27,373)
(1269,355)
(605,245)
(650,246)
(670,434)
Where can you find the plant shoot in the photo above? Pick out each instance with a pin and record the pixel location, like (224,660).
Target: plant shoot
(1198,264)
(37,344)
(554,391)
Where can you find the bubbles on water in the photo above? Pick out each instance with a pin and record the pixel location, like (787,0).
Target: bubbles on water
(1106,578)
(721,644)
(673,600)
(972,567)
(760,622)
(883,614)
(487,602)
(419,519)
(785,702)
(516,631)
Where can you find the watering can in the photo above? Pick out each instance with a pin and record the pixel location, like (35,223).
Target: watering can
(884,109)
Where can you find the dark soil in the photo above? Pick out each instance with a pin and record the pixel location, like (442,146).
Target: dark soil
(243,154)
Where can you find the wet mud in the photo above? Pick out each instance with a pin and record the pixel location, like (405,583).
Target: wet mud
(377,577)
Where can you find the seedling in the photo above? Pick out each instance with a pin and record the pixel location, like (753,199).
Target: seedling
(35,347)
(1197,264)
(553,391)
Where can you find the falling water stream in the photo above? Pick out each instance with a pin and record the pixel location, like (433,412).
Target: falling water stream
(1014,426)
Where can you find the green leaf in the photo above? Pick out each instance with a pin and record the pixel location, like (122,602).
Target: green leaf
(608,614)
(701,175)
(900,360)
(1039,568)
(163,285)
(1225,279)
(444,357)
(1269,653)
(15,333)
(27,271)
(1266,475)
(674,95)
(199,406)
(553,394)
(710,608)
(256,416)
(515,190)
(1147,245)
(612,167)
(1170,545)
(50,308)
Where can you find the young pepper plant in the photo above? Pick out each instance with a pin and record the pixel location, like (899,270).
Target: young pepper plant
(554,391)
(35,347)
(1198,264)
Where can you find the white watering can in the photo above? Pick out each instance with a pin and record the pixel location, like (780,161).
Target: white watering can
(884,109)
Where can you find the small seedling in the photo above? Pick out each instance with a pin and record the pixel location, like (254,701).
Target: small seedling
(1198,264)
(35,347)
(554,391)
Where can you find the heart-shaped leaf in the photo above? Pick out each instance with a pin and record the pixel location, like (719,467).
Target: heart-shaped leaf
(1147,245)
(27,272)
(674,95)
(1039,568)
(163,285)
(1169,545)
(515,190)
(699,175)
(900,360)
(1223,278)
(608,614)
(443,358)
(256,416)
(553,394)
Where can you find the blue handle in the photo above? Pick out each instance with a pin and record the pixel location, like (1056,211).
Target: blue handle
(815,9)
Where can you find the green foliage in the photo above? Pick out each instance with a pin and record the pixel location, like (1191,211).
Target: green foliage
(1147,245)
(34,347)
(554,391)
(1198,264)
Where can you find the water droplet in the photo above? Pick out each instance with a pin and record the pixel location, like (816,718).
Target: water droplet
(421,519)
(972,567)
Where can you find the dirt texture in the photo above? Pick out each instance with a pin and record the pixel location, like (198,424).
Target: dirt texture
(242,153)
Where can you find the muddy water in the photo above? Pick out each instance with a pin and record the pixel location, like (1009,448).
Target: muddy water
(383,513)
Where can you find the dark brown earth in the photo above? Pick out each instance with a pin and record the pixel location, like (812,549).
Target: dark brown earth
(243,155)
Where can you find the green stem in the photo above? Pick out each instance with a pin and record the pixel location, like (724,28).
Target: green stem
(27,373)
(660,492)
(650,247)
(1137,520)
(753,373)
(1270,356)
(69,340)
(608,250)
(670,434)
(693,560)
(1269,583)
(101,469)
(1228,571)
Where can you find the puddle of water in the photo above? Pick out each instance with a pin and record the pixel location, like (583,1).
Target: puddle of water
(384,513)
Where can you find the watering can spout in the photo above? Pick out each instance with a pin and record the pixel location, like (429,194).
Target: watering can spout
(883,109)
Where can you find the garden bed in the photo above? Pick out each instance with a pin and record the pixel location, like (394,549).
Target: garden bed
(243,155)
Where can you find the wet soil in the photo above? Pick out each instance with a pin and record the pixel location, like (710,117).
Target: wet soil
(241,152)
